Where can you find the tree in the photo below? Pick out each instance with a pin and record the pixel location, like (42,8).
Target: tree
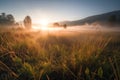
(6,19)
(56,24)
(27,22)
(3,15)
(65,26)
(10,19)
(3,19)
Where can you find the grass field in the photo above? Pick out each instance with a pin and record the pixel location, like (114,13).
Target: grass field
(38,55)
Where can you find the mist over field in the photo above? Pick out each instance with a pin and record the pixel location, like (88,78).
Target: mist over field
(82,28)
(59,40)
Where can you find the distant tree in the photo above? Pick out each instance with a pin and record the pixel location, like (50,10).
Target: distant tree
(10,19)
(3,15)
(112,18)
(6,19)
(65,26)
(56,24)
(3,19)
(27,22)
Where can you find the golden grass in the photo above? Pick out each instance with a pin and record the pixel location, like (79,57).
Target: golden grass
(64,55)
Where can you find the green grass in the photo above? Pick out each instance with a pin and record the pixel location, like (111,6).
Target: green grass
(27,55)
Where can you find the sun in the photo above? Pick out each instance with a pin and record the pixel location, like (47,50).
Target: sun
(44,22)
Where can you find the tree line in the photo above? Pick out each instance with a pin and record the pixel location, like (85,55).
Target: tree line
(59,25)
(6,19)
(9,20)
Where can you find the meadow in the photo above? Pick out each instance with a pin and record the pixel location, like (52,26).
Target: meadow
(57,55)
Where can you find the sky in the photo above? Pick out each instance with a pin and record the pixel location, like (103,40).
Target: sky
(57,10)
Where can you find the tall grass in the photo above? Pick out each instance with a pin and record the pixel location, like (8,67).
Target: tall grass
(28,55)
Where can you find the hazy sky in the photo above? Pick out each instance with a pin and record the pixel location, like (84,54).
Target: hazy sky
(57,10)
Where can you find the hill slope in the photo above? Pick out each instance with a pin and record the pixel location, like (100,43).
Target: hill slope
(102,18)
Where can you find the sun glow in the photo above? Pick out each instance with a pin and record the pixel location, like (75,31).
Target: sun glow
(43,25)
(44,22)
